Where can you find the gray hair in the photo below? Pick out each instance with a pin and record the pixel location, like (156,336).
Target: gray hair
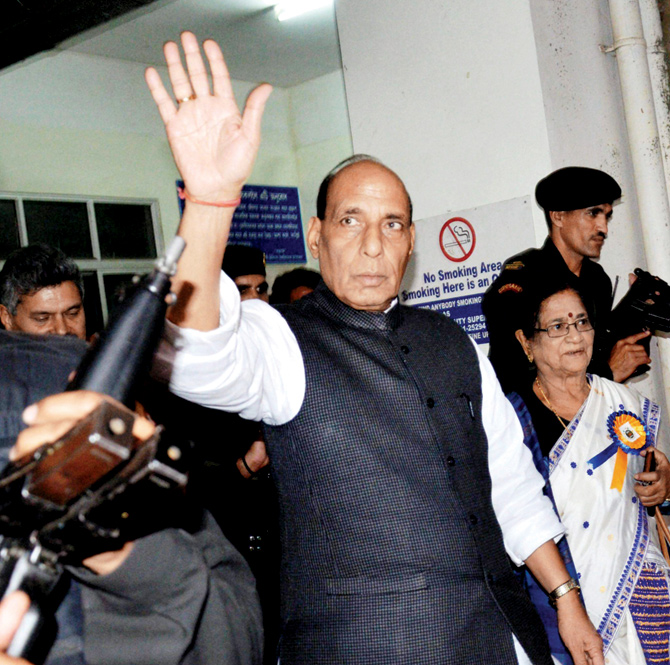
(322,197)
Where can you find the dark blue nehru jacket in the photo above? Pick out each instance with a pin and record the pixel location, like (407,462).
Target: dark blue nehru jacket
(392,552)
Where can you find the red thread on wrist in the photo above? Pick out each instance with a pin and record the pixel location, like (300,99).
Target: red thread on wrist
(233,203)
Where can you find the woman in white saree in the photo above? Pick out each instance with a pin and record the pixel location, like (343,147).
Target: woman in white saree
(592,437)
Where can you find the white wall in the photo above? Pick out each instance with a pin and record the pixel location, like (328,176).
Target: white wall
(77,124)
(448,94)
(320,123)
(584,112)
(473,103)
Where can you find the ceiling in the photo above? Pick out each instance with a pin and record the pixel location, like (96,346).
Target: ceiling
(33,26)
(257,47)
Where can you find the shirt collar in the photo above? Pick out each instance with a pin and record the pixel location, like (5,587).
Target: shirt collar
(327,301)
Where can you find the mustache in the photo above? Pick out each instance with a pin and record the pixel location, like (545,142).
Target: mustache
(601,234)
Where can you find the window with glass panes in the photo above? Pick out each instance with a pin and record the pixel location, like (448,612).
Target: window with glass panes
(110,239)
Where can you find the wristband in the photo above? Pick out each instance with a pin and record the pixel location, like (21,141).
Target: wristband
(233,203)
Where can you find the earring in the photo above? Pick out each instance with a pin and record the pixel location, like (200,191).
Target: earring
(529,355)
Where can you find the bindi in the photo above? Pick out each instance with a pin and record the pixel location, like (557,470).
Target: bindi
(570,315)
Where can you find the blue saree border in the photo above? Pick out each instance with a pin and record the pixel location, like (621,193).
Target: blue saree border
(609,624)
(561,445)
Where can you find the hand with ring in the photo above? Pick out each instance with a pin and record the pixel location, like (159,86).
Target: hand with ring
(214,145)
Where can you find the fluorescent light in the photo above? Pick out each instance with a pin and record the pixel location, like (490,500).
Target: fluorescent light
(292,8)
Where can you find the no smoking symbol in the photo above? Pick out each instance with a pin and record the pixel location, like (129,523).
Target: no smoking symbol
(457,239)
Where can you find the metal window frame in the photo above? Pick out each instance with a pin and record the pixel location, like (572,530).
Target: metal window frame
(100,266)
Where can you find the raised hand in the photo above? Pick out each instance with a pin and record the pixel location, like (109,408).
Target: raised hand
(214,146)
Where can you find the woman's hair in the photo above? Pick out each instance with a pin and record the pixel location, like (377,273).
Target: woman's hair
(535,297)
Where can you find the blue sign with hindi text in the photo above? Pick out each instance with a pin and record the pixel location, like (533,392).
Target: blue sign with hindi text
(268,218)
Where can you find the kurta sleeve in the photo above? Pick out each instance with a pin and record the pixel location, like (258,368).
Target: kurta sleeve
(526,516)
(251,364)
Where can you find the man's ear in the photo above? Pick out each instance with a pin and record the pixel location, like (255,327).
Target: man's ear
(6,318)
(412,235)
(313,236)
(556,217)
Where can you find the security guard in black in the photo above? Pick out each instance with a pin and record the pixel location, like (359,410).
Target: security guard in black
(578,206)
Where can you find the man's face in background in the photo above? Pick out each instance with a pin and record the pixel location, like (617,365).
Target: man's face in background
(52,310)
(252,287)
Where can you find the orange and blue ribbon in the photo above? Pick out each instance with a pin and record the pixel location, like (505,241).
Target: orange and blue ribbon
(629,435)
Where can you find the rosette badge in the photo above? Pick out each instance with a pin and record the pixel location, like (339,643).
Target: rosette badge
(629,436)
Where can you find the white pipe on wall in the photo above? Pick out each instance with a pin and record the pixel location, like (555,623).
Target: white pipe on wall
(658,72)
(643,136)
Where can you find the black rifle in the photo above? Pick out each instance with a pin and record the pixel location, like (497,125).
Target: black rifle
(646,306)
(98,486)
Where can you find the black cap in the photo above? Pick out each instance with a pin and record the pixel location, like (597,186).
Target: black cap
(576,187)
(243,260)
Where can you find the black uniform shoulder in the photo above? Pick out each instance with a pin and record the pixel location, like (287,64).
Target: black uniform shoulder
(64,350)
(33,367)
(529,256)
(523,263)
(38,364)
(516,271)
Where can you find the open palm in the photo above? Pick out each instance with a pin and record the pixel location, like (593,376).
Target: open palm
(214,146)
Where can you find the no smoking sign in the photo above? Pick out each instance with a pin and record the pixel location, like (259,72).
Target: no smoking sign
(457,239)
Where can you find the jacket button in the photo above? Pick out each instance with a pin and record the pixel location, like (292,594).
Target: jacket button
(430,402)
(451,461)
(404,349)
(473,519)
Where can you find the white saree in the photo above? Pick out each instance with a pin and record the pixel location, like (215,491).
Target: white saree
(608,531)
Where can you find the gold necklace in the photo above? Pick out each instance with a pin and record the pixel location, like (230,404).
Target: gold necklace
(549,404)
